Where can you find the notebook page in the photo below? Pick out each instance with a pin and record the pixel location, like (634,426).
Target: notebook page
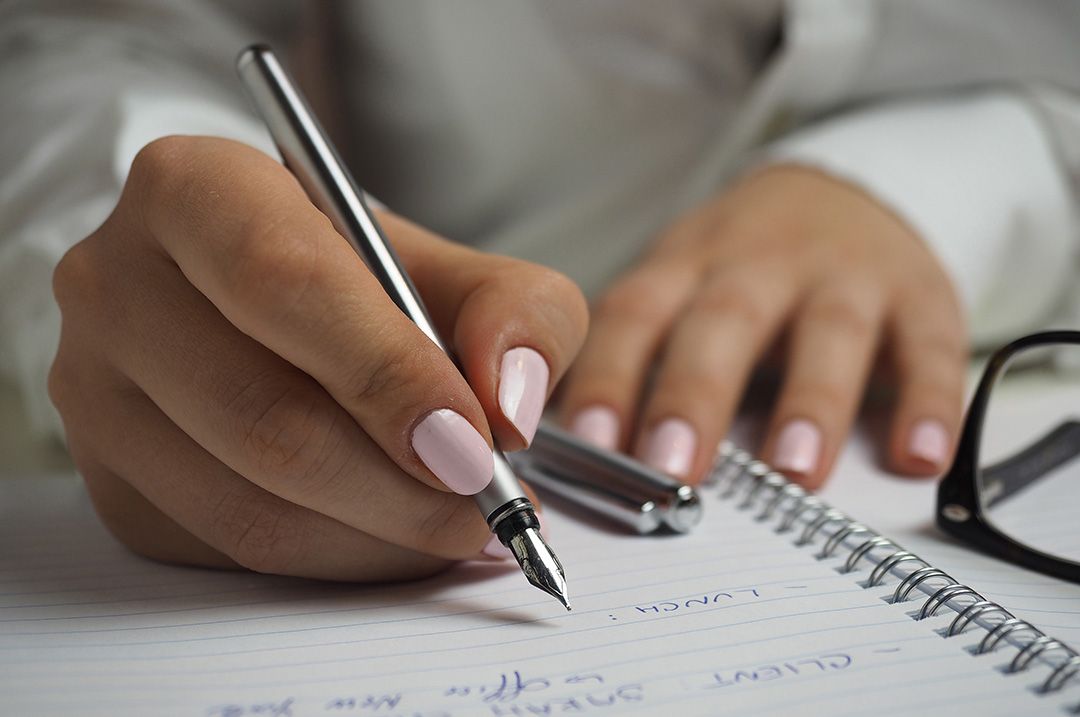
(729,620)
(903,510)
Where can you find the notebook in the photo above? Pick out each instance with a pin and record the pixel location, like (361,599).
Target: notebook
(736,618)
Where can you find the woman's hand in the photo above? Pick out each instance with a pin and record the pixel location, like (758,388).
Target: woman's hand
(238,389)
(786,248)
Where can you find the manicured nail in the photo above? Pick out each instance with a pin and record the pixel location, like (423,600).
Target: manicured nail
(798,449)
(495,549)
(454,451)
(671,446)
(929,441)
(523,384)
(598,425)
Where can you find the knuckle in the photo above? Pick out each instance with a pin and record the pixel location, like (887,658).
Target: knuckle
(821,398)
(844,317)
(557,289)
(932,391)
(288,439)
(113,508)
(732,301)
(551,283)
(945,348)
(680,381)
(258,532)
(77,277)
(59,384)
(449,527)
(700,387)
(939,352)
(929,383)
(156,166)
(553,299)
(633,300)
(388,375)
(270,262)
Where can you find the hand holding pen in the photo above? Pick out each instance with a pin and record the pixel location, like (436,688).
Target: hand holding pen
(500,497)
(238,389)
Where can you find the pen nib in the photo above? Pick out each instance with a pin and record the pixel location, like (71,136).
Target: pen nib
(539,564)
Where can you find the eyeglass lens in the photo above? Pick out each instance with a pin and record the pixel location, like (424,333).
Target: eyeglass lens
(1029,454)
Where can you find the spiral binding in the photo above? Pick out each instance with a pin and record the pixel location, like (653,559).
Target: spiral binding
(790,505)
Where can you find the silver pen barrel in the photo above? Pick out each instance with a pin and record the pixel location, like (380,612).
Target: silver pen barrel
(315,163)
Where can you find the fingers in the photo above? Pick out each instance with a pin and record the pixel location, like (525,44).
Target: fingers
(214,517)
(708,358)
(931,354)
(277,427)
(138,524)
(243,233)
(515,326)
(267,401)
(629,323)
(834,338)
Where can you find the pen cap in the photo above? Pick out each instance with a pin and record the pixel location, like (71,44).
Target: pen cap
(641,515)
(565,456)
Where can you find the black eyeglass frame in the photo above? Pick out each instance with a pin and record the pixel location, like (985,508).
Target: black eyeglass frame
(960,512)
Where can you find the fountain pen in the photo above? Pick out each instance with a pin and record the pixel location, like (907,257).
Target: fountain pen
(315,163)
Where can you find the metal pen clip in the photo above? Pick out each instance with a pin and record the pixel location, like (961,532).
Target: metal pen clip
(611,484)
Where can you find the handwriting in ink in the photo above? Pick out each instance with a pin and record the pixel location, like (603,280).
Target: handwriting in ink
(592,701)
(261,709)
(767,673)
(511,685)
(696,602)
(378,704)
(591,677)
(507,688)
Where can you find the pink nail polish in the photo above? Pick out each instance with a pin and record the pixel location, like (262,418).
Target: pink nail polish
(598,425)
(454,451)
(523,384)
(798,449)
(495,549)
(671,446)
(929,441)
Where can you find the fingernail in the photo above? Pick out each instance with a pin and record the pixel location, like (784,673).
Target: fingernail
(598,425)
(495,549)
(798,449)
(929,441)
(454,451)
(670,447)
(523,384)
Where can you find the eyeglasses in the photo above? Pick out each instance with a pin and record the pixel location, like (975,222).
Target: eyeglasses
(1013,490)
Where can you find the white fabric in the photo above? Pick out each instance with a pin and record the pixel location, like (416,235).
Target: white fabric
(564,132)
(976,178)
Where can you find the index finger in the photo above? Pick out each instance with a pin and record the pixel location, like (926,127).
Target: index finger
(243,232)
(516,326)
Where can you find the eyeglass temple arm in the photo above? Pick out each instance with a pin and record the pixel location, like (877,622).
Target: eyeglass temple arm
(1011,475)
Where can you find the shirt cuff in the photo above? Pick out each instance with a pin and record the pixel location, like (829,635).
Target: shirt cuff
(68,185)
(977,179)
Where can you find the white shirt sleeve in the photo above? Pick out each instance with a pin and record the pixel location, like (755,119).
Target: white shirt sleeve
(976,177)
(89,99)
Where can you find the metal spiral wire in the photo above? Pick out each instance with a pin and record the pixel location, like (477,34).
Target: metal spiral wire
(790,506)
(916,578)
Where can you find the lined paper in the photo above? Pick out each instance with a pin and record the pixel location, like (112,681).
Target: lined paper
(732,619)
(903,509)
